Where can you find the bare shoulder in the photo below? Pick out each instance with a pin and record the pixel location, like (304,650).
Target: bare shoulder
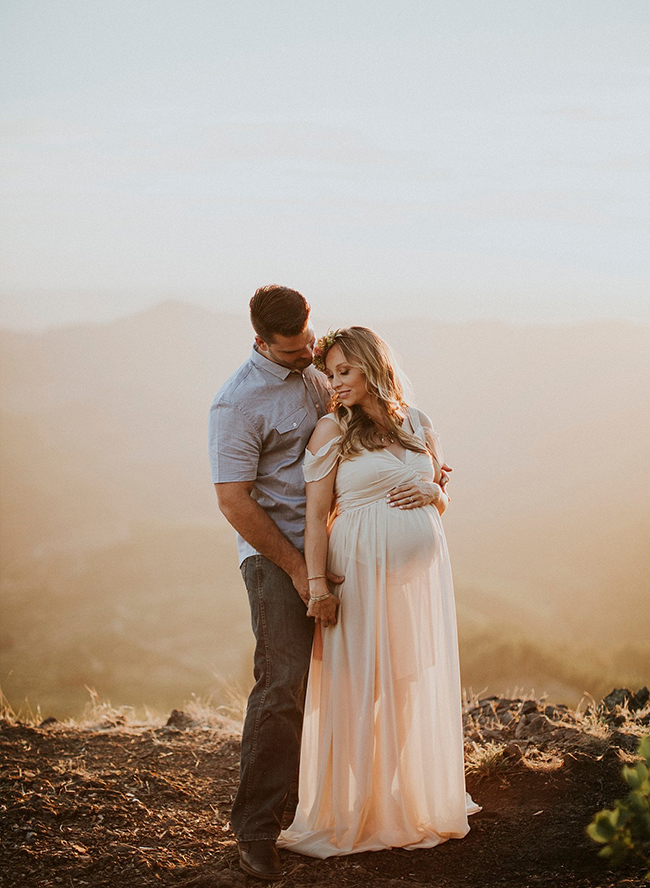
(327,429)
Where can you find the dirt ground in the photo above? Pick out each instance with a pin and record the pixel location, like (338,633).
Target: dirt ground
(119,805)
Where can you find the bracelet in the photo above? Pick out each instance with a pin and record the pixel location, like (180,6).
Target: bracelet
(318,577)
(319,597)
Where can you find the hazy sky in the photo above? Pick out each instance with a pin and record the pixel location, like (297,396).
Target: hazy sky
(472,159)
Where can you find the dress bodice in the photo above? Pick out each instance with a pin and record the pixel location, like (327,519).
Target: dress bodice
(367,476)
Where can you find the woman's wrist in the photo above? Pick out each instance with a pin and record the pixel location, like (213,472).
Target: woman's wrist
(319,596)
(318,590)
(318,585)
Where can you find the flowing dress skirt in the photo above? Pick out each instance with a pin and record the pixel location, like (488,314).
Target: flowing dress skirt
(382,747)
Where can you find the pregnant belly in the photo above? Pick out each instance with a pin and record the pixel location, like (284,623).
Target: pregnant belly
(404,543)
(412,543)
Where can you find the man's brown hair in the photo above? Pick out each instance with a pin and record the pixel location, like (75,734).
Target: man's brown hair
(278,310)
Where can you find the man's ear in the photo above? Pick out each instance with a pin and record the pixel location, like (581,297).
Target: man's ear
(260,343)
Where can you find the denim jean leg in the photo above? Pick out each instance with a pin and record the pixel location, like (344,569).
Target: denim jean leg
(273,724)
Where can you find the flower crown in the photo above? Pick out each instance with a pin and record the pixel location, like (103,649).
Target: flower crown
(323,345)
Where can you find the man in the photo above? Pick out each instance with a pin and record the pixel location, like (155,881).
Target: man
(260,422)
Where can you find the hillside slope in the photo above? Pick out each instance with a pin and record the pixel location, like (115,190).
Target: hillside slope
(119,805)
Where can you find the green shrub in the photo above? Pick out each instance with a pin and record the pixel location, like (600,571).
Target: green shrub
(625,829)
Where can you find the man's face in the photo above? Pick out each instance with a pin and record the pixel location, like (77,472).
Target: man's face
(294,352)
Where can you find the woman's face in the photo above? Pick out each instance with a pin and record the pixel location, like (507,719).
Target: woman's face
(348,382)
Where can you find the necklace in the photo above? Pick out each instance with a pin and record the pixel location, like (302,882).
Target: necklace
(385,437)
(382,434)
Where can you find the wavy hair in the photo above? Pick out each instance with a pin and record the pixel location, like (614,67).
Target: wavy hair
(367,352)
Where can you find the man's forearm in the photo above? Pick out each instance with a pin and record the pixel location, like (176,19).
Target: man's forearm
(252,523)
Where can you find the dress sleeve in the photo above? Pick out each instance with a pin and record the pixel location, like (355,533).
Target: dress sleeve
(425,432)
(321,463)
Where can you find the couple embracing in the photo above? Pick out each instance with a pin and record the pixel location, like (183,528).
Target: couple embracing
(353,738)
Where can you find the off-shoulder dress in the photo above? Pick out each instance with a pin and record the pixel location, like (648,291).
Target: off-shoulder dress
(382,747)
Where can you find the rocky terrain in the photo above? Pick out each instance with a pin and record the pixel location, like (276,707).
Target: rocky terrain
(112,802)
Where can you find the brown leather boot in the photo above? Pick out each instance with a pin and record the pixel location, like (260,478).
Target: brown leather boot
(260,859)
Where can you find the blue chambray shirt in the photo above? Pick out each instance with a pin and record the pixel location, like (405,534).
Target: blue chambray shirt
(260,422)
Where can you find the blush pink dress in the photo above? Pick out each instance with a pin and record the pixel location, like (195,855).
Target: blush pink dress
(382,745)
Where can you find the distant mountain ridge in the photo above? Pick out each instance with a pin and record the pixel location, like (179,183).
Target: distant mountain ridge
(547,429)
(535,413)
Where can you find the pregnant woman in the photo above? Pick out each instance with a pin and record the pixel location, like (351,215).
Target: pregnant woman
(382,744)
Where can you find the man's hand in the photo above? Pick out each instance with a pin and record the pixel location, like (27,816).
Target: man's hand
(444,476)
(324,612)
(299,580)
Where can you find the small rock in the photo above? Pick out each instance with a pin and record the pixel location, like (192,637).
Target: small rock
(522,728)
(486,704)
(513,751)
(507,718)
(640,699)
(617,697)
(179,719)
(624,741)
(50,720)
(565,734)
(489,734)
(529,706)
(539,724)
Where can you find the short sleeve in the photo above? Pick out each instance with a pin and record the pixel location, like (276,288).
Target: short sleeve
(426,430)
(321,463)
(234,444)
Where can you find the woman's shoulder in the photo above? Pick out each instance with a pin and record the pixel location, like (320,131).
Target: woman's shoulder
(419,418)
(327,429)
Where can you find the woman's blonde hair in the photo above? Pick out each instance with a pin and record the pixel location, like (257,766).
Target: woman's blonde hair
(367,352)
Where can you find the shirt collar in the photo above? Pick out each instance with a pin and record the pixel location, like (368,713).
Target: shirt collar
(270,366)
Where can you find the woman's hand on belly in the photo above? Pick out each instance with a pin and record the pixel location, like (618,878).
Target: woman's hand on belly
(415,494)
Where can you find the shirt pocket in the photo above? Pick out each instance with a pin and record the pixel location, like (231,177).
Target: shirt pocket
(292,421)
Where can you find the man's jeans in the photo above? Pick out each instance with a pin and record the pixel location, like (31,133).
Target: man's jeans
(271,738)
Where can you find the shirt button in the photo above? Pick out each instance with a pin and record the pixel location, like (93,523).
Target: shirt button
(295,425)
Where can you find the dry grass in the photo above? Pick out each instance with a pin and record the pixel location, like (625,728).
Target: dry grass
(24,714)
(543,760)
(115,802)
(486,759)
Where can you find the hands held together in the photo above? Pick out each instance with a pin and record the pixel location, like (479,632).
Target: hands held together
(323,604)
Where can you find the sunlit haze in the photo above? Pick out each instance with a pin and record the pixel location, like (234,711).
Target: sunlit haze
(480,167)
(456,160)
